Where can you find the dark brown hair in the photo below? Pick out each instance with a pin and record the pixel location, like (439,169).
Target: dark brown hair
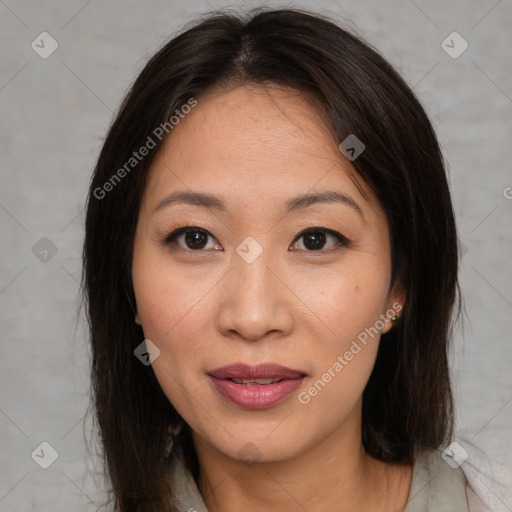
(407,403)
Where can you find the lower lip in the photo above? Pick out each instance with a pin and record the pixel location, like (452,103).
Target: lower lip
(256,396)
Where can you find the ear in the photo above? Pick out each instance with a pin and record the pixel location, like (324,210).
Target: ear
(394,305)
(137,319)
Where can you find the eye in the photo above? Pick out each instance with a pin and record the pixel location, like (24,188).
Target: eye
(316,238)
(196,239)
(190,237)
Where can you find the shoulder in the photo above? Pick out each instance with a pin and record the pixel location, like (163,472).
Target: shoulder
(489,484)
(438,484)
(461,478)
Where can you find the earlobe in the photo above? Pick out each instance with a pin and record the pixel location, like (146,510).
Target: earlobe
(388,324)
(137,319)
(395,306)
(391,318)
(396,302)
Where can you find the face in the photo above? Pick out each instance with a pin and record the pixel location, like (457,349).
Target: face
(256,277)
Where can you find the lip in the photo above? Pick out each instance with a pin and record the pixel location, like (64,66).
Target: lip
(255,371)
(256,396)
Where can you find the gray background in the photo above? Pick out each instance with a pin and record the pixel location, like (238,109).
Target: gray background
(54,114)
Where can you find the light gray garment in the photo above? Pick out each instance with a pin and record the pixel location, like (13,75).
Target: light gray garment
(435,487)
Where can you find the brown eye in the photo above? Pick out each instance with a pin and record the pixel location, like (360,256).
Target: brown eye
(190,238)
(195,239)
(315,239)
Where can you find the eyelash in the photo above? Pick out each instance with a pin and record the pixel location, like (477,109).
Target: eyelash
(341,242)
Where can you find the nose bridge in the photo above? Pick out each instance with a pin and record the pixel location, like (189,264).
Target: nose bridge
(254,302)
(251,274)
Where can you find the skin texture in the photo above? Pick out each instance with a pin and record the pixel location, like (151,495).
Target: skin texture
(205,308)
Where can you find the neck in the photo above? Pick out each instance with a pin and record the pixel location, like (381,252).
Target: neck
(336,474)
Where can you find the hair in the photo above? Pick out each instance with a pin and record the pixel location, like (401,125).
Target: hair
(407,402)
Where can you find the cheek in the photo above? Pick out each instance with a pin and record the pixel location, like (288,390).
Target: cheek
(170,300)
(175,309)
(172,311)
(346,349)
(347,306)
(346,300)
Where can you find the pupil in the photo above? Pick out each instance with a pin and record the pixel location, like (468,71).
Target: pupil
(191,237)
(318,239)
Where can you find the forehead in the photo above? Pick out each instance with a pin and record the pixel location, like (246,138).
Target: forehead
(255,143)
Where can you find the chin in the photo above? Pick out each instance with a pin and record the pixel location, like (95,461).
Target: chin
(252,444)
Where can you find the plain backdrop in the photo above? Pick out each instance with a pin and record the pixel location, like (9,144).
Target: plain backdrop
(54,114)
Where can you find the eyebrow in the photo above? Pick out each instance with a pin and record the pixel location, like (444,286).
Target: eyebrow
(299,202)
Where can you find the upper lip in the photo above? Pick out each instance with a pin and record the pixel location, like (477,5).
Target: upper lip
(255,371)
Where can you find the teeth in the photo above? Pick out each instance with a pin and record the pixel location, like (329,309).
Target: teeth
(254,381)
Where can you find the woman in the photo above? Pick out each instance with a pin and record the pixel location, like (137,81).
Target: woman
(270,266)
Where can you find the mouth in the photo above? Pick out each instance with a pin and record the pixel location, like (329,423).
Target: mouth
(256,386)
(248,382)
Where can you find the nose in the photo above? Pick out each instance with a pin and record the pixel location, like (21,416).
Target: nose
(254,302)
